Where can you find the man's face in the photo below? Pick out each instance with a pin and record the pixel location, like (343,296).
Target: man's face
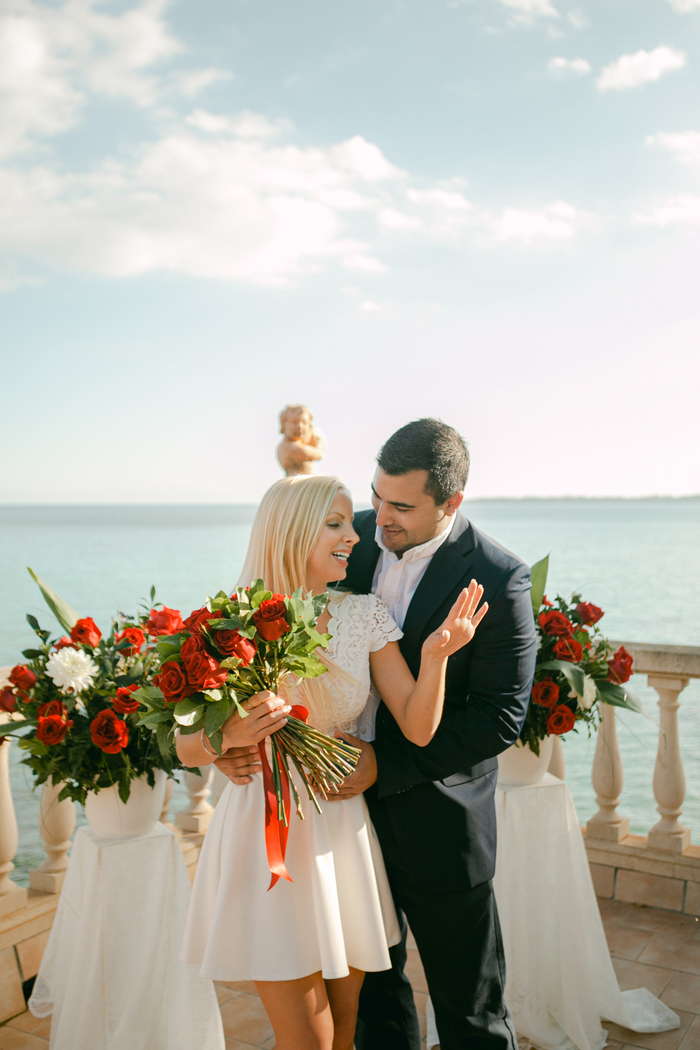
(406,513)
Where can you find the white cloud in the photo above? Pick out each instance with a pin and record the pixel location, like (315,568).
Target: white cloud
(684,6)
(685,144)
(681,210)
(216,196)
(532,8)
(192,83)
(556,222)
(569,65)
(630,71)
(368,307)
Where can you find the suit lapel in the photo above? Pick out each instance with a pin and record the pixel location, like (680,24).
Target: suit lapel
(449,565)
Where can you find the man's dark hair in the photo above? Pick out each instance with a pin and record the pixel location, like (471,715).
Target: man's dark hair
(428,444)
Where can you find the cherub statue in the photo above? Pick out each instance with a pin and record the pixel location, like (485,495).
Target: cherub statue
(301,442)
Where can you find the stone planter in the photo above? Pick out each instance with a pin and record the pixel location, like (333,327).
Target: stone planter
(110,818)
(519,766)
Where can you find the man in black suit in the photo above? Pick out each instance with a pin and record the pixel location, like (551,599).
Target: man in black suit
(433,807)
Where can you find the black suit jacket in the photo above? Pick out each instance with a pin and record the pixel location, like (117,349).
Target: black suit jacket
(433,806)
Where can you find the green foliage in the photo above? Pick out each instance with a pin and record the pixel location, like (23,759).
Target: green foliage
(581,682)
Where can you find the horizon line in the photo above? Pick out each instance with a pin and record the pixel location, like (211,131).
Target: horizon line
(467,499)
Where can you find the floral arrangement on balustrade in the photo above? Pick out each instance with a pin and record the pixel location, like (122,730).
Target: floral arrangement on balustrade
(75,695)
(577,667)
(224,653)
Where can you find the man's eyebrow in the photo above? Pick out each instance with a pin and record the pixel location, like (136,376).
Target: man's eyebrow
(392,503)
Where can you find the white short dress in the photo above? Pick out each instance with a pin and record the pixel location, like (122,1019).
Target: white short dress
(338,912)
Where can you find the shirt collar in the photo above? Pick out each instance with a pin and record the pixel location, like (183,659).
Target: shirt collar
(423,550)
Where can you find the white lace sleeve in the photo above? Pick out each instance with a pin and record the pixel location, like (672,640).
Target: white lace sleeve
(383,628)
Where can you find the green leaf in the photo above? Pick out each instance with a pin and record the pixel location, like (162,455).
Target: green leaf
(124,790)
(573,674)
(305,666)
(213,694)
(617,696)
(165,739)
(232,624)
(216,715)
(32,654)
(538,575)
(64,613)
(187,711)
(149,692)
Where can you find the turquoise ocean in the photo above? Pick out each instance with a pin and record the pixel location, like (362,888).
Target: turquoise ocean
(637,559)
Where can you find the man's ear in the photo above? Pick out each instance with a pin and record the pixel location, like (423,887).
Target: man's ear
(453,504)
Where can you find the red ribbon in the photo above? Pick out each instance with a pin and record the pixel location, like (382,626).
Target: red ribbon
(276,831)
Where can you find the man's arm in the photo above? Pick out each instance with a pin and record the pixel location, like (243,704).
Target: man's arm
(490,712)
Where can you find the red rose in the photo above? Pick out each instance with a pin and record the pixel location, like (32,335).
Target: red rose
(172,682)
(64,643)
(86,632)
(109,732)
(200,618)
(204,672)
(620,667)
(555,623)
(546,601)
(568,649)
(8,700)
(191,647)
(53,707)
(589,614)
(134,635)
(300,712)
(561,720)
(22,676)
(232,644)
(271,618)
(124,702)
(165,621)
(52,729)
(545,693)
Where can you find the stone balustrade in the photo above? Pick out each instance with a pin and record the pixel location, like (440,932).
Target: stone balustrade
(662,869)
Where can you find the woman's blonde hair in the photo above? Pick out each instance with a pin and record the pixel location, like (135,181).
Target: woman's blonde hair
(285,530)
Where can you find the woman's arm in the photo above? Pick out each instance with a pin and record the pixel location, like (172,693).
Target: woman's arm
(417,705)
(267,714)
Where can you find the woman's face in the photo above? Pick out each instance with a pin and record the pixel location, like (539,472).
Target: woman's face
(329,558)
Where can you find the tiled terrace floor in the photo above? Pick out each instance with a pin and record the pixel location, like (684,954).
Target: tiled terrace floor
(658,950)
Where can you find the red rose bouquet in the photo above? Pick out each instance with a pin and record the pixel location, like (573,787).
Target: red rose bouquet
(73,703)
(576,666)
(225,652)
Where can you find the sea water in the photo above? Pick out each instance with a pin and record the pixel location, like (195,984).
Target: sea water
(637,559)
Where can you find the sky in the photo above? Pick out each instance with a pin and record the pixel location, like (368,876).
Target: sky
(482,210)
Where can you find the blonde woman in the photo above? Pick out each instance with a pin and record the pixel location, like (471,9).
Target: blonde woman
(307,944)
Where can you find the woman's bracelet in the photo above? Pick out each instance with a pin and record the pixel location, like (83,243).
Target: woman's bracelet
(204,740)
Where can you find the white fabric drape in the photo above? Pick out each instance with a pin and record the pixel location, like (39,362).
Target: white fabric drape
(111,973)
(560,978)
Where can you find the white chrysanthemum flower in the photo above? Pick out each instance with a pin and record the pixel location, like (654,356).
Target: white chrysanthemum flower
(72,670)
(590,693)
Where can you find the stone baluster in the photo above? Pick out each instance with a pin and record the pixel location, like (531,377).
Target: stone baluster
(11,895)
(607,782)
(56,827)
(669,780)
(197,813)
(557,763)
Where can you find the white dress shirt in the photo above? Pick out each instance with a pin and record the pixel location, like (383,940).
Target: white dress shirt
(396,579)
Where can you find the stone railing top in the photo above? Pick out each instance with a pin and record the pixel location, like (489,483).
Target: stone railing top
(650,658)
